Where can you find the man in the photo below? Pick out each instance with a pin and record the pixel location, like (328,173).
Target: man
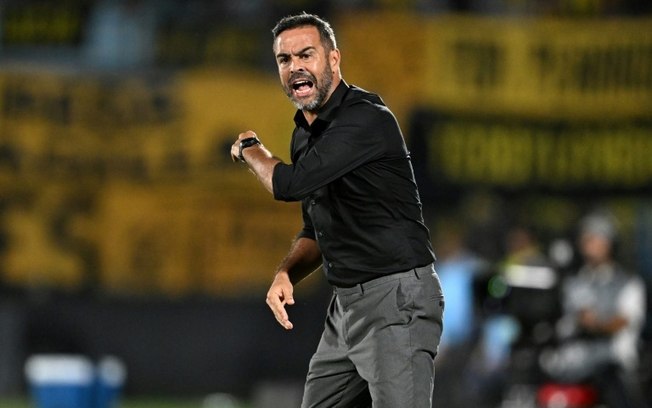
(603,315)
(362,222)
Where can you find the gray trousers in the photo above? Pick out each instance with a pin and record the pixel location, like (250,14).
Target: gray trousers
(379,344)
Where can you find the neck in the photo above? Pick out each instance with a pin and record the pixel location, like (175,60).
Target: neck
(310,116)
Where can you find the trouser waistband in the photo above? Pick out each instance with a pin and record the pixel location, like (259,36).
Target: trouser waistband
(361,287)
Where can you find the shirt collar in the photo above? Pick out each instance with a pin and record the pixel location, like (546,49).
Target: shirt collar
(327,111)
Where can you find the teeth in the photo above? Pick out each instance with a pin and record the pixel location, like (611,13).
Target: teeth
(299,84)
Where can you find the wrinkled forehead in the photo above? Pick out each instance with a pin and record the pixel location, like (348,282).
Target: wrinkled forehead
(294,39)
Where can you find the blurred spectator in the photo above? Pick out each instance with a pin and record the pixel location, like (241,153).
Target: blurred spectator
(532,283)
(603,314)
(457,267)
(121,33)
(516,291)
(523,248)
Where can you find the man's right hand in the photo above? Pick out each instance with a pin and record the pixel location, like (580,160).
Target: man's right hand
(279,295)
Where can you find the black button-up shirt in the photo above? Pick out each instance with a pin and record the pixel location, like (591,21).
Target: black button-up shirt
(352,172)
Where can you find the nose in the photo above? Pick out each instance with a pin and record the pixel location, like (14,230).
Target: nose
(296,65)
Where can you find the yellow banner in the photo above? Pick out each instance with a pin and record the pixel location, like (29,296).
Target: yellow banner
(524,66)
(180,239)
(125,183)
(484,151)
(566,68)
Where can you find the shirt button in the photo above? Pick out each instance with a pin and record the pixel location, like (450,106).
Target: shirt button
(321,234)
(313,202)
(330,264)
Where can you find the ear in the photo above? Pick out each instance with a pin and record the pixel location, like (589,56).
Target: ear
(334,60)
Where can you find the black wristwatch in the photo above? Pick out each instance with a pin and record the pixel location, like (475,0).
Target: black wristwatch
(247,142)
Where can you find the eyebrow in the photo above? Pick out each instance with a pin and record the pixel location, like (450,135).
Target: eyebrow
(302,51)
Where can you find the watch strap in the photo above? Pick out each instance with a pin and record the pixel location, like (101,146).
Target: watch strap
(244,143)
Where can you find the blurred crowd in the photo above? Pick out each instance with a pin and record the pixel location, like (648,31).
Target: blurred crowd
(114,34)
(563,315)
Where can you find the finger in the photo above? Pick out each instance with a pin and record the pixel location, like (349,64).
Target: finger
(247,134)
(287,295)
(285,322)
(234,152)
(278,309)
(277,304)
(283,319)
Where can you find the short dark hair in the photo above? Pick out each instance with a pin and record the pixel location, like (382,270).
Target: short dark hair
(326,33)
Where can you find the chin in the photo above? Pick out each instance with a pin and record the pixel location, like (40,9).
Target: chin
(309,106)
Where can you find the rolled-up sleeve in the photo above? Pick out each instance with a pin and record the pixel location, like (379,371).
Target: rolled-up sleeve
(281,180)
(349,142)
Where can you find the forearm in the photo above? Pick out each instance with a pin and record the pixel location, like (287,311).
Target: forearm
(261,162)
(304,255)
(303,258)
(591,323)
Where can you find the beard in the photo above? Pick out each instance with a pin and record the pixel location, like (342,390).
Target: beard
(321,84)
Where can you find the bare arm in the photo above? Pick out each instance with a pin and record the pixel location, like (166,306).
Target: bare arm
(590,322)
(261,162)
(304,257)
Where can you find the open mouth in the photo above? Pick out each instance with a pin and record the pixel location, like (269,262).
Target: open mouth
(302,87)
